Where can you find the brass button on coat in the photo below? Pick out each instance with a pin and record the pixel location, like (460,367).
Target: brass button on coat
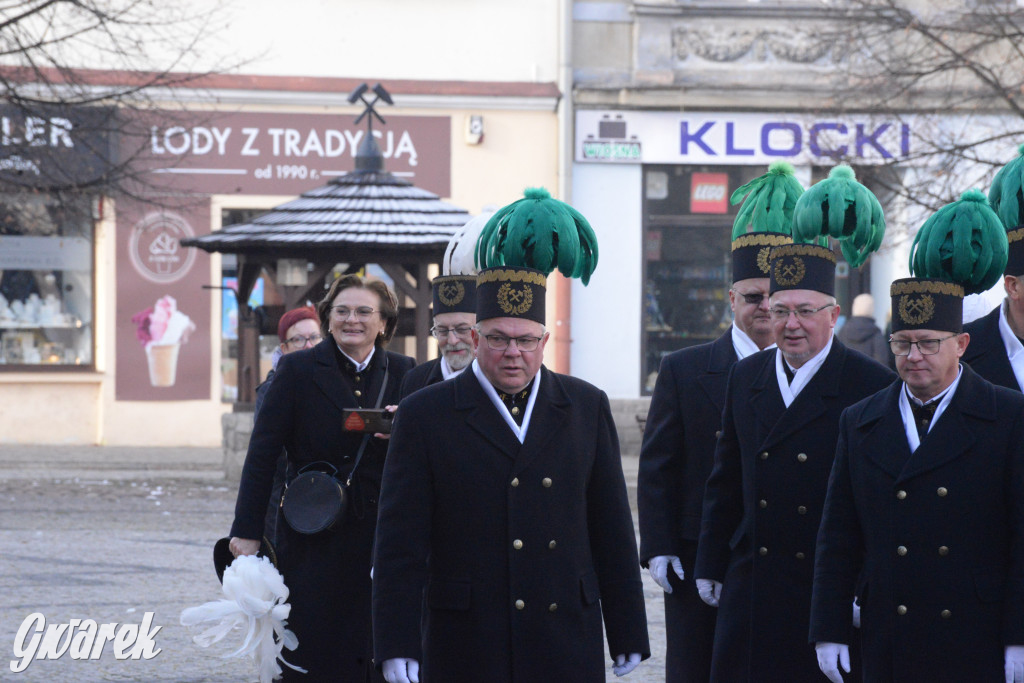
(943,550)
(764,456)
(800,556)
(802,457)
(515,410)
(718,434)
(901,610)
(801,510)
(517,544)
(552,607)
(357,392)
(762,550)
(763,503)
(946,614)
(552,545)
(901,550)
(546,482)
(515,482)
(901,494)
(520,604)
(942,491)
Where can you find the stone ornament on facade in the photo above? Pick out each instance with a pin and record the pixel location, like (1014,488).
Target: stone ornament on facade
(731,45)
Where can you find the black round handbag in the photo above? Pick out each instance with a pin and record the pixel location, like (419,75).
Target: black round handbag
(315,500)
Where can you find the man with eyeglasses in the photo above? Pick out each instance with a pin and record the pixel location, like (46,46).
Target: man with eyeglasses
(764,496)
(454,305)
(504,536)
(925,506)
(678,450)
(997,339)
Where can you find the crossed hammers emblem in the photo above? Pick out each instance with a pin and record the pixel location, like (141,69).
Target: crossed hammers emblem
(787,270)
(916,306)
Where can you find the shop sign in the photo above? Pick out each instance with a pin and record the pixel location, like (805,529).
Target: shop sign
(54,146)
(709,193)
(154,247)
(280,153)
(162,316)
(738,138)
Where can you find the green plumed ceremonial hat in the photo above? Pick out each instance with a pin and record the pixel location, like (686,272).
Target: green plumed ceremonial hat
(764,221)
(1007,199)
(768,202)
(960,249)
(541,233)
(843,209)
(963,242)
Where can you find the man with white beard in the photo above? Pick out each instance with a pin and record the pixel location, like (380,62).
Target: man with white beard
(454,316)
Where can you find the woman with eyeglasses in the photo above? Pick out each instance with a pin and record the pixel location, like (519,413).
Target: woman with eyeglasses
(328,572)
(298,329)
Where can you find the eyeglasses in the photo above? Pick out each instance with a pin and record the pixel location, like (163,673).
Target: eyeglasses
(927,347)
(360,313)
(441,333)
(300,342)
(752,299)
(499,342)
(780,313)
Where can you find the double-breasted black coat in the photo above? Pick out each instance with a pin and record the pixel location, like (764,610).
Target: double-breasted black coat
(683,424)
(520,548)
(421,376)
(762,507)
(328,574)
(986,353)
(938,534)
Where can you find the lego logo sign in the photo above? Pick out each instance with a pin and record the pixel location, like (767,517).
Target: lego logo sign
(709,193)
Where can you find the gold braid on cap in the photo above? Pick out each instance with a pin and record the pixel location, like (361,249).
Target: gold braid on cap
(508,275)
(927,287)
(760,239)
(1015,235)
(803,250)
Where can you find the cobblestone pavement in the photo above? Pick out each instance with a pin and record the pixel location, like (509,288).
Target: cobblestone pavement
(110,534)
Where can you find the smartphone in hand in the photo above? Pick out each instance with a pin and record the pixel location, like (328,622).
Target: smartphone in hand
(368,420)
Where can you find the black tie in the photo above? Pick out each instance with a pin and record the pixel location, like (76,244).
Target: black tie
(789,373)
(923,417)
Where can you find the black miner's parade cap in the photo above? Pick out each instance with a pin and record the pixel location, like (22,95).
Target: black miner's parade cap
(454,294)
(510,292)
(751,254)
(925,304)
(765,219)
(520,245)
(803,266)
(960,249)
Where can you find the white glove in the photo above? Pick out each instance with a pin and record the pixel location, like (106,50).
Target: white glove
(623,665)
(401,670)
(1014,664)
(658,567)
(828,653)
(709,591)
(856,614)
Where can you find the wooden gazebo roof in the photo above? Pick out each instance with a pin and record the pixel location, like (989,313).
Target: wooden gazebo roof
(366,216)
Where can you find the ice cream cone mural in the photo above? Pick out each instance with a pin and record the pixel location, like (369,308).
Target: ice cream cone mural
(162,329)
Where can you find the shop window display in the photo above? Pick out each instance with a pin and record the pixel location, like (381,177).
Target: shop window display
(46,281)
(687,230)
